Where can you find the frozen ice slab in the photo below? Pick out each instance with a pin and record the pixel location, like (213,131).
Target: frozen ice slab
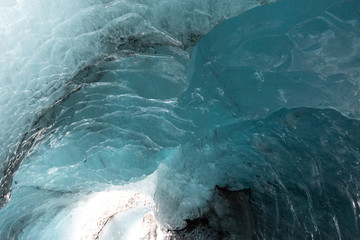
(268,102)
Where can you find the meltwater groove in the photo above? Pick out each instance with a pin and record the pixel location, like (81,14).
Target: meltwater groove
(130,127)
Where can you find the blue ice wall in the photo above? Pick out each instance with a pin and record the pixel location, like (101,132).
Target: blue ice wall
(274,96)
(46,47)
(267,100)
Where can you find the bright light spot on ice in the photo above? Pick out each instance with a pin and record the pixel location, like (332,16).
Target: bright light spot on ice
(130,213)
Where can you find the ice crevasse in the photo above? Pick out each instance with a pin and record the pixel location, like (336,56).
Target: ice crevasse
(137,120)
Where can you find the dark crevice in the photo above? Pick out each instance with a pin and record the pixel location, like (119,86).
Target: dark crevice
(230,216)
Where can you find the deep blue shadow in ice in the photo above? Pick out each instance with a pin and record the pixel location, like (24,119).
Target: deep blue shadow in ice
(301,162)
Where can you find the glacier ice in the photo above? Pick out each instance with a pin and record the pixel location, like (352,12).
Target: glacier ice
(46,47)
(115,114)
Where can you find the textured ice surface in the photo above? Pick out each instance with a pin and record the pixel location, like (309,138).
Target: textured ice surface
(46,47)
(101,100)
